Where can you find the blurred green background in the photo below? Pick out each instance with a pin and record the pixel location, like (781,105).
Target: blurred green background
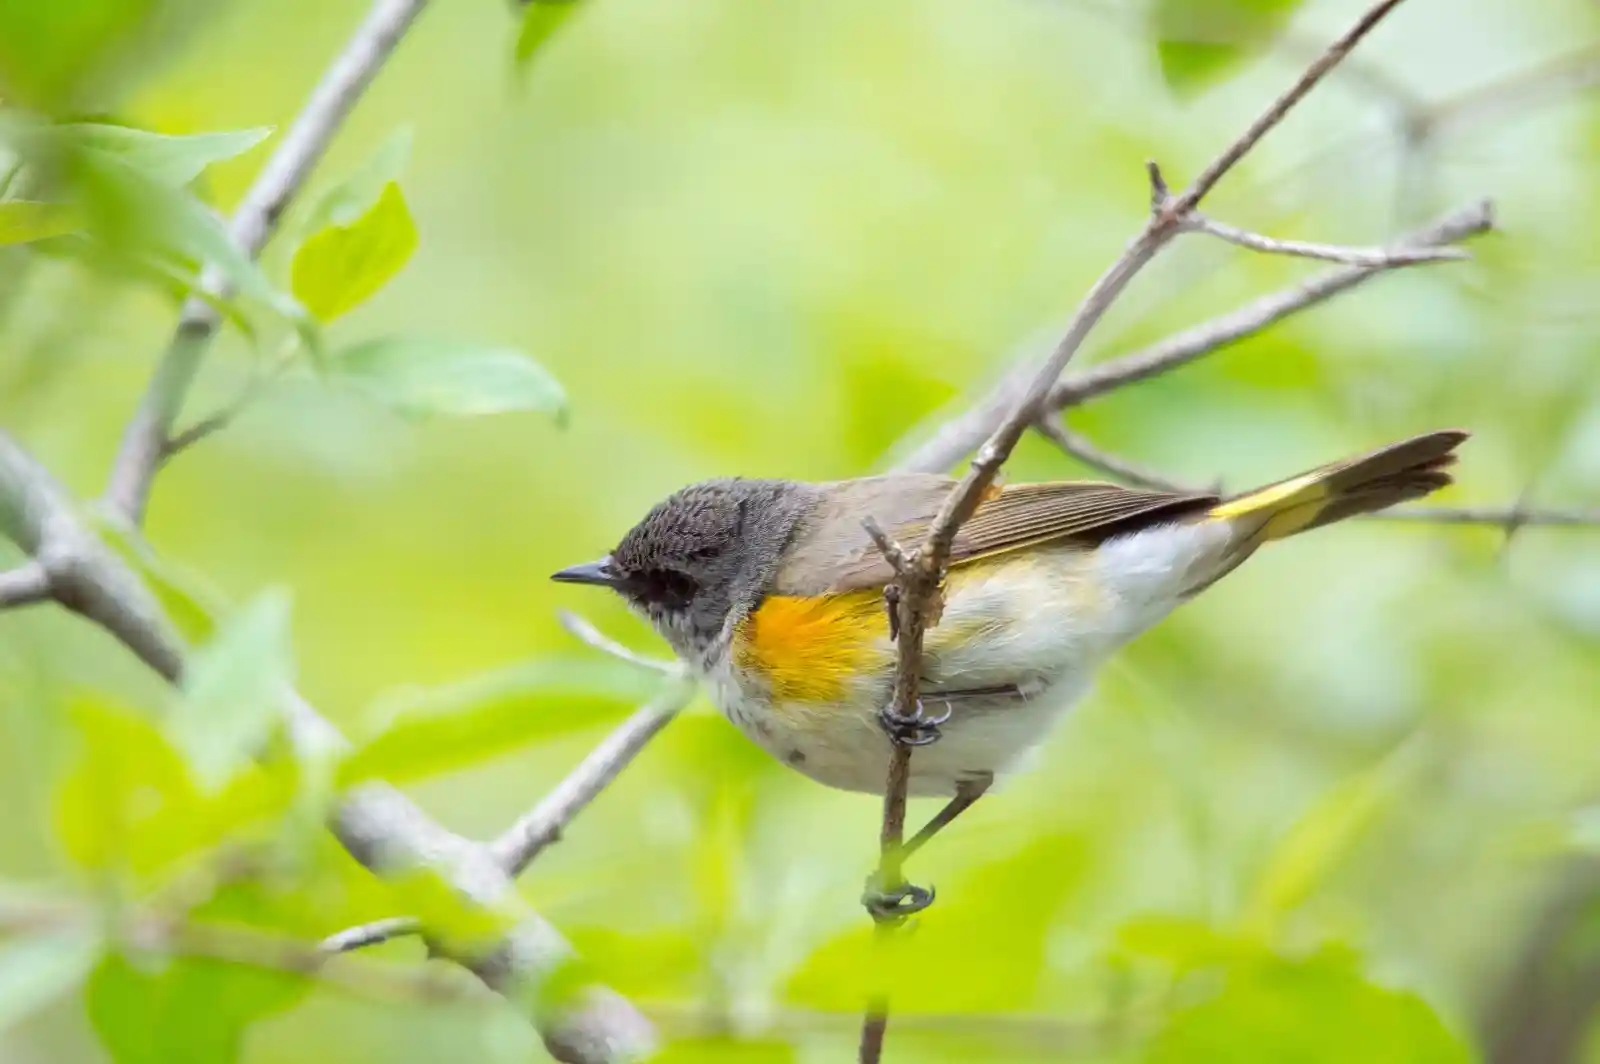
(1330,812)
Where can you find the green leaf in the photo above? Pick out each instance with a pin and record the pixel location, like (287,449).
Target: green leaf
(1325,835)
(56,52)
(342,266)
(133,213)
(129,803)
(24,221)
(428,731)
(349,199)
(191,603)
(171,160)
(1317,1011)
(233,690)
(1200,41)
(1182,943)
(182,1008)
(540,20)
(121,755)
(38,969)
(421,376)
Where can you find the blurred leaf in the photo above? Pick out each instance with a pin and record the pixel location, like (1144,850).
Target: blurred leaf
(1183,943)
(662,965)
(440,729)
(188,600)
(38,969)
(181,1009)
(342,266)
(233,690)
(540,20)
(134,212)
(419,376)
(128,802)
(1316,1011)
(348,200)
(458,923)
(1200,41)
(124,773)
(1324,836)
(48,49)
(165,1010)
(171,160)
(24,221)
(976,951)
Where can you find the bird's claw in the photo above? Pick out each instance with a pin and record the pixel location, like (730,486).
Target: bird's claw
(894,904)
(916,728)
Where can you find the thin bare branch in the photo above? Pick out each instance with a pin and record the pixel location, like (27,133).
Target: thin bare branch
(1115,466)
(364,935)
(1369,258)
(1510,519)
(957,435)
(588,633)
(145,440)
(524,840)
(26,584)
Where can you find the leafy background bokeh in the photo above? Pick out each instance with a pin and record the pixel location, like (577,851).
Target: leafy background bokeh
(1315,816)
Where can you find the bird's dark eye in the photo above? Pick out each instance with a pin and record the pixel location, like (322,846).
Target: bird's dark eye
(666,587)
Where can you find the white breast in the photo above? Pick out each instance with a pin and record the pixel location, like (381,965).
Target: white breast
(1044,628)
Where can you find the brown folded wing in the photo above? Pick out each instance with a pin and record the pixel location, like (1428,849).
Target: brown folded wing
(832,552)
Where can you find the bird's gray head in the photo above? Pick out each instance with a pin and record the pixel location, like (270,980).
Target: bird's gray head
(704,552)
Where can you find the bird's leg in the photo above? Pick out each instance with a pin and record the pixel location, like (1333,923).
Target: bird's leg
(892,902)
(968,791)
(917,728)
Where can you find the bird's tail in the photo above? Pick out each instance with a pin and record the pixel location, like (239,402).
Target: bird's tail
(1394,474)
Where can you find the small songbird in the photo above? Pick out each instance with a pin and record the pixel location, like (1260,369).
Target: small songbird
(773,592)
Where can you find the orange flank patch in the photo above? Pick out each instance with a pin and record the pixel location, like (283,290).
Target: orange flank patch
(810,649)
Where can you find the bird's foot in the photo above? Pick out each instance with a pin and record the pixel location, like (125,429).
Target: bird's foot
(917,728)
(886,904)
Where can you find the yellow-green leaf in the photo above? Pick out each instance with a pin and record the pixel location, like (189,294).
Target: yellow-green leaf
(428,731)
(346,201)
(540,20)
(1324,836)
(24,221)
(192,604)
(233,690)
(342,266)
(1200,41)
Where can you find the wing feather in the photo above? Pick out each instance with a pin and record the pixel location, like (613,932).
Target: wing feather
(834,554)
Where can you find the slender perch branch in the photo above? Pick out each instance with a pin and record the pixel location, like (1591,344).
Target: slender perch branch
(145,441)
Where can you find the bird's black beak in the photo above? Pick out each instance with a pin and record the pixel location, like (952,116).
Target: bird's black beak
(599,573)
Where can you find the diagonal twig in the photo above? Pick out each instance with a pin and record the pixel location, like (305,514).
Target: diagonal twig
(1369,258)
(524,840)
(959,434)
(1090,454)
(145,441)
(588,633)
